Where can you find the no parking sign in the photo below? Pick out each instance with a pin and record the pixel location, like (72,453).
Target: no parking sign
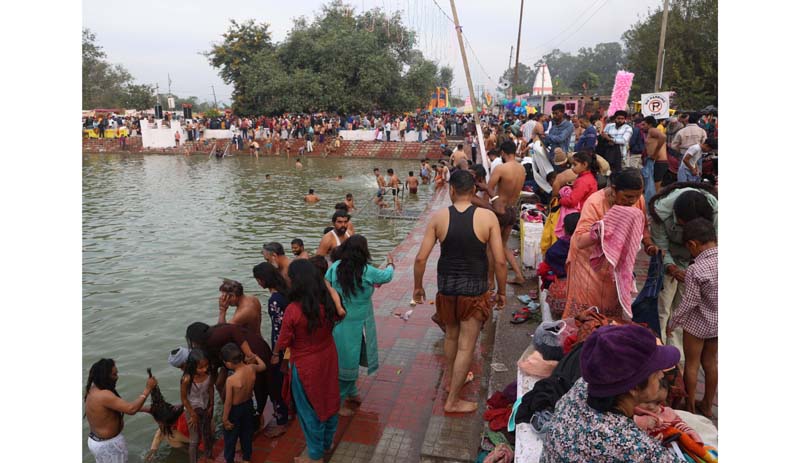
(656,105)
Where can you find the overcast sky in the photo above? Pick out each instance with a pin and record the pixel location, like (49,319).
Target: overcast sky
(153,38)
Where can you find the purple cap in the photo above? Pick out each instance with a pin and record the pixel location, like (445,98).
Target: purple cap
(615,359)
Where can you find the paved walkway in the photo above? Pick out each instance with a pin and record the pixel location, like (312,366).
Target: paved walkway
(401,418)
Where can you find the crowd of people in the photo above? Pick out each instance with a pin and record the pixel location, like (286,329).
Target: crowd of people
(605,189)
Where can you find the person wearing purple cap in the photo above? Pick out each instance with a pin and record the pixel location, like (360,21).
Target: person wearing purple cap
(621,367)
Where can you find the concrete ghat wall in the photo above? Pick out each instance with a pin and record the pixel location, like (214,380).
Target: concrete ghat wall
(356,149)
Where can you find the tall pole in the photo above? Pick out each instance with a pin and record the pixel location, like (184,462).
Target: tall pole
(215,96)
(661,51)
(473,100)
(519,36)
(510,54)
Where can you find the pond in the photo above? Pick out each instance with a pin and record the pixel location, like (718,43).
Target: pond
(160,232)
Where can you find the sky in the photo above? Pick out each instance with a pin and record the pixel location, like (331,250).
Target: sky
(154,39)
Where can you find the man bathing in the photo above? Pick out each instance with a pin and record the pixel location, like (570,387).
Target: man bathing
(412,183)
(104,408)
(394,187)
(311,197)
(351,205)
(299,249)
(381,188)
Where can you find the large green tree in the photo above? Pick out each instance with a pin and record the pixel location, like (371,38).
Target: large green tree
(106,85)
(338,61)
(690,65)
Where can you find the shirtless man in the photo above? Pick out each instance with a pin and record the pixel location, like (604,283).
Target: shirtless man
(274,254)
(394,187)
(655,146)
(337,236)
(464,233)
(351,205)
(412,183)
(311,197)
(458,155)
(381,188)
(298,164)
(248,308)
(254,148)
(298,249)
(104,409)
(506,181)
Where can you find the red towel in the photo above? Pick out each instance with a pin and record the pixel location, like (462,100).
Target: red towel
(619,232)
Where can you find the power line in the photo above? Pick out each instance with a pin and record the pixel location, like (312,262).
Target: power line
(581,26)
(544,45)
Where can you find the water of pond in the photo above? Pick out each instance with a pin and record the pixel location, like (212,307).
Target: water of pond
(160,232)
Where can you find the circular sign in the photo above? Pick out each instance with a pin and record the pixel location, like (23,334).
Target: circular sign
(654,105)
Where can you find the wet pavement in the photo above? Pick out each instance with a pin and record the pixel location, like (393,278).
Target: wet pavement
(402,416)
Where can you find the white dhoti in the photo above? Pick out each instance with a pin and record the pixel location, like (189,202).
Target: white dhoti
(114,450)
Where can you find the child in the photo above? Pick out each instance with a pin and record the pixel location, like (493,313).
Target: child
(553,269)
(697,313)
(197,395)
(237,416)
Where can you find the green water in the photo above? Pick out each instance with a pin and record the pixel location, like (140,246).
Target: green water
(159,233)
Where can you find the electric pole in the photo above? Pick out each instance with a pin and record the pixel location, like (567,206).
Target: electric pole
(169,85)
(519,36)
(661,51)
(510,54)
(215,96)
(473,100)
(158,97)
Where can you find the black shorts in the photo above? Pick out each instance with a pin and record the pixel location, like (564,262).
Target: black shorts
(659,169)
(394,191)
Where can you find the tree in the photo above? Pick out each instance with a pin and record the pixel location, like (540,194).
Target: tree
(106,85)
(586,81)
(138,96)
(339,61)
(526,77)
(690,65)
(444,78)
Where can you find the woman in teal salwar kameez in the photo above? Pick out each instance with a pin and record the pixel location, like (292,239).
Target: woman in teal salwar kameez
(354,278)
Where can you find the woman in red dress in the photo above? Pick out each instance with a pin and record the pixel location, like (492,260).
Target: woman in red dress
(307,330)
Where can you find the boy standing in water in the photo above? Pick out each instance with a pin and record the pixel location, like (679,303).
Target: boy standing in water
(237,417)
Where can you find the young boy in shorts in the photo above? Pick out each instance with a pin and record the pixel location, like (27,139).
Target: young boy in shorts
(237,416)
(697,314)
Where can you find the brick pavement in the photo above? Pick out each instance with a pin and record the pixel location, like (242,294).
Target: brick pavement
(402,416)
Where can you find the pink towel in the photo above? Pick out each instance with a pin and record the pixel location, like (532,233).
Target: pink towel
(619,234)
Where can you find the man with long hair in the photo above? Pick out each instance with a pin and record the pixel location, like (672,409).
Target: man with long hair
(462,303)
(104,408)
